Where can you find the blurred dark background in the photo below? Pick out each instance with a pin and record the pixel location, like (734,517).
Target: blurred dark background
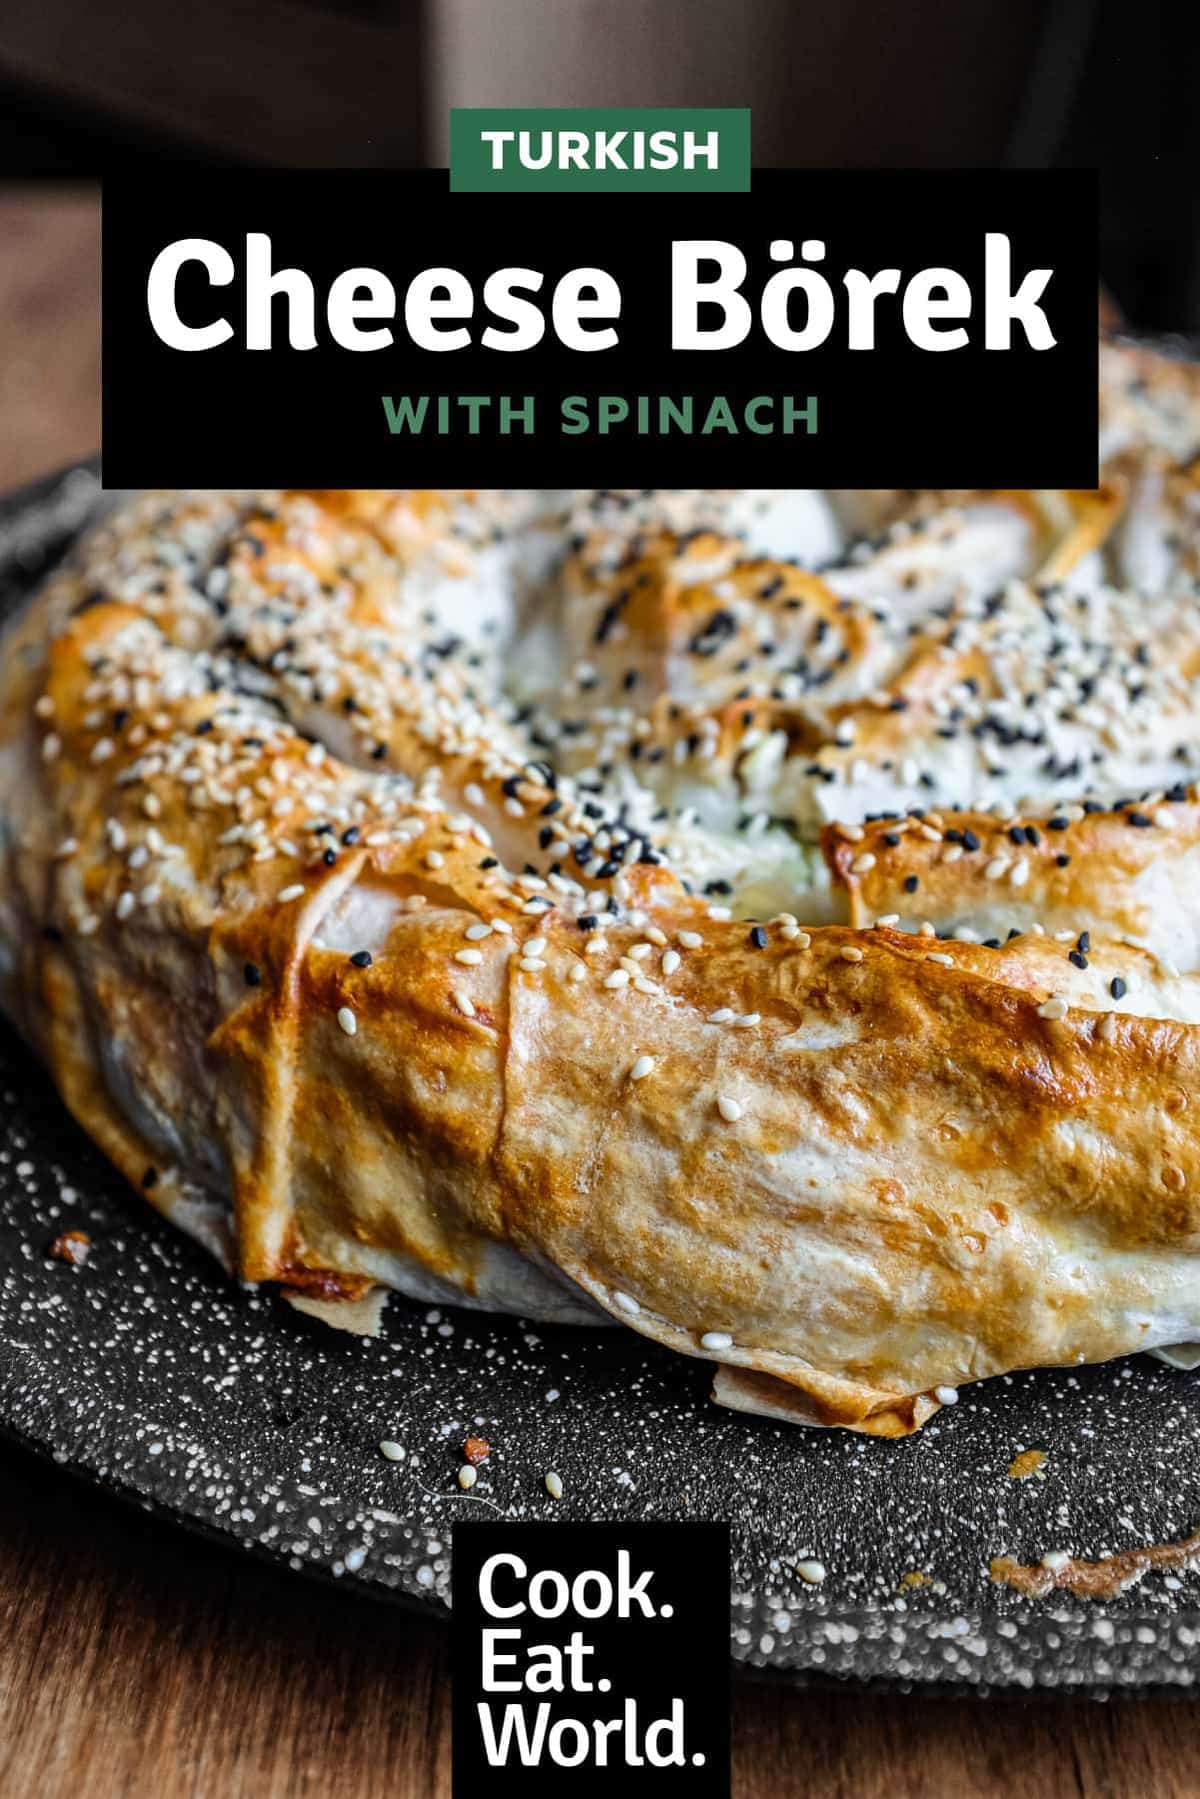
(87,85)
(1097,83)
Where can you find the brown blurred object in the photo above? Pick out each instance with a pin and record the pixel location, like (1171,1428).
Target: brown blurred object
(49,329)
(852,85)
(249,80)
(1111,316)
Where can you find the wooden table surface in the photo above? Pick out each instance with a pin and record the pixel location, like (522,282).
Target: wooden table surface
(136,1660)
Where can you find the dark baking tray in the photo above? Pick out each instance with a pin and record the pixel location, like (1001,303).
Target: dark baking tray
(151,1373)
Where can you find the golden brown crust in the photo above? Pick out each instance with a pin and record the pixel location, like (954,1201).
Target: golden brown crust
(345,976)
(1127,873)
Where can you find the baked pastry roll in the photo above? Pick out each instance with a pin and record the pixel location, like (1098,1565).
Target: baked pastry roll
(654,908)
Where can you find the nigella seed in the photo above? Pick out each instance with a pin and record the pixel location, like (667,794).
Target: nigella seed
(1117,987)
(758,937)
(361,958)
(252,974)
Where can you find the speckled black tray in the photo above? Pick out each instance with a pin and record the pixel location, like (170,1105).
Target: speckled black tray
(148,1371)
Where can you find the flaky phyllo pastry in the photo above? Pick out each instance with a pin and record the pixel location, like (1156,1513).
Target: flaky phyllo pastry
(768,920)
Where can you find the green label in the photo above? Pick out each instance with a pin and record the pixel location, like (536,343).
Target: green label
(607,149)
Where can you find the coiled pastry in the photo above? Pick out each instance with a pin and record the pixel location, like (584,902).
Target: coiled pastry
(678,907)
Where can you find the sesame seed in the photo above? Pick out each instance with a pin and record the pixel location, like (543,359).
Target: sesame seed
(291,893)
(535,946)
(729,1108)
(531,964)
(811,1571)
(1054,1007)
(671,960)
(946,1395)
(347,1020)
(641,1068)
(125,904)
(722,1015)
(716,1340)
(618,978)
(467,1476)
(690,939)
(470,958)
(1055,1560)
(475,933)
(391,1452)
(849,953)
(625,1302)
(463,1002)
(554,1485)
(940,957)
(1106,1030)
